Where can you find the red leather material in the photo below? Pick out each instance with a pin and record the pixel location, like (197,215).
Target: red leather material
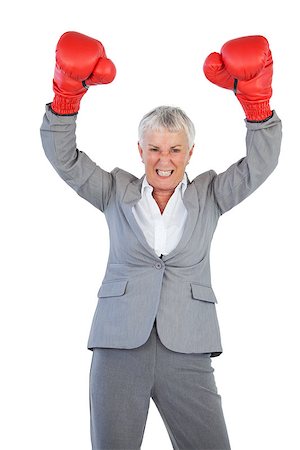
(245,65)
(80,62)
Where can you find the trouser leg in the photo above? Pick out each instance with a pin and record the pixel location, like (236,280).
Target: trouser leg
(186,396)
(120,387)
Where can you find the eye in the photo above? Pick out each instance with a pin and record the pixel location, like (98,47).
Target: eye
(176,150)
(154,149)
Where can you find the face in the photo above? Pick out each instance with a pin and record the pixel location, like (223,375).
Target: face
(165,155)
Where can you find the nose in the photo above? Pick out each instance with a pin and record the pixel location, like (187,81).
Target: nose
(165,156)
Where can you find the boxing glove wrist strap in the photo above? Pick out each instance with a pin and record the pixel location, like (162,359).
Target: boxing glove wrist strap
(256,111)
(59,114)
(63,105)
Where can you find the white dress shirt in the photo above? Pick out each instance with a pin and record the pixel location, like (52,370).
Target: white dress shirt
(162,231)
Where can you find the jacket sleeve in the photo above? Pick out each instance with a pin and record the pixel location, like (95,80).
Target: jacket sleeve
(58,134)
(263,141)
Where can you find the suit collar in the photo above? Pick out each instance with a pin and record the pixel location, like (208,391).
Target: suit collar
(190,199)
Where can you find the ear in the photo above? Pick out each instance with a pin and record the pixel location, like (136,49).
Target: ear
(140,150)
(191,150)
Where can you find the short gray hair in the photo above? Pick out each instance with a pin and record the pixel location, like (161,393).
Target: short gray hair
(172,118)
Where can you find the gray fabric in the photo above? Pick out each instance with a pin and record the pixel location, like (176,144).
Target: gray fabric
(138,286)
(182,386)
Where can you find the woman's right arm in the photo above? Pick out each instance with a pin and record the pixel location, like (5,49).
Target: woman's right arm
(58,134)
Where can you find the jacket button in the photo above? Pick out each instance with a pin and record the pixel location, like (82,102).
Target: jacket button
(158,265)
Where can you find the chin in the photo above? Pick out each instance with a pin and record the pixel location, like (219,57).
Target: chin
(160,182)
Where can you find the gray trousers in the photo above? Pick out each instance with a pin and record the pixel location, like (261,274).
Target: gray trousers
(182,386)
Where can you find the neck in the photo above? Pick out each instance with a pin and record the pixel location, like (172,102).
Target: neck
(162,194)
(162,198)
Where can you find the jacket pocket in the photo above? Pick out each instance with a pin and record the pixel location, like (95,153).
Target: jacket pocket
(204,293)
(112,288)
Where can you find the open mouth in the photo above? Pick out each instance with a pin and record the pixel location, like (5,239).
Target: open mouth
(164,173)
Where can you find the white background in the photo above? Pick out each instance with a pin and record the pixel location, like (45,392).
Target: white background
(54,244)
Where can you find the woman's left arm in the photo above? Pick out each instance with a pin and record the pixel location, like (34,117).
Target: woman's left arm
(263,142)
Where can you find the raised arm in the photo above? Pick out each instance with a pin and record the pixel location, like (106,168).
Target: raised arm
(80,62)
(245,66)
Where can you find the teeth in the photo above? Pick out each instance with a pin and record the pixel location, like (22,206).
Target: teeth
(163,173)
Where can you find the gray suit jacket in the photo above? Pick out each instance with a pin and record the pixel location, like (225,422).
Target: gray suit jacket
(138,286)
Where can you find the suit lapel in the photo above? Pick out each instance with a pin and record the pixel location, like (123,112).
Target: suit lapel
(190,199)
(191,202)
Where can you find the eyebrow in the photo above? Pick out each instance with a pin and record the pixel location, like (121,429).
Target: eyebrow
(173,146)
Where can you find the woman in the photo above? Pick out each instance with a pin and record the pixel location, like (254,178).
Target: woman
(155,327)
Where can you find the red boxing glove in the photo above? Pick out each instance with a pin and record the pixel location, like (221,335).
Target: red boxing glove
(80,62)
(245,66)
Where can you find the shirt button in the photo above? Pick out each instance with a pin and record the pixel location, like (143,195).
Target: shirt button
(158,265)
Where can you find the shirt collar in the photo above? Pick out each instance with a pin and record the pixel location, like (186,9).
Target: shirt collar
(181,185)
